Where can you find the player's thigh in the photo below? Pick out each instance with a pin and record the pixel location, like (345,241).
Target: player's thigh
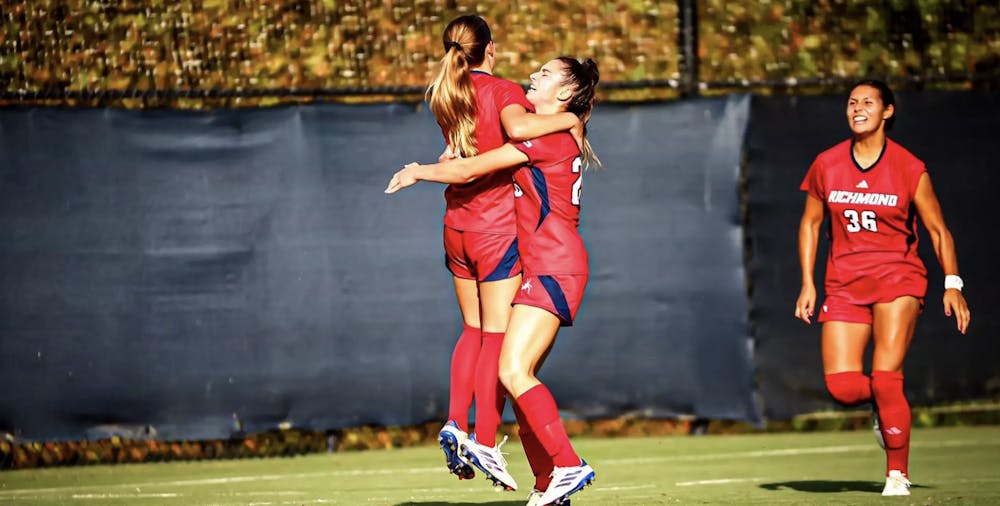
(893,328)
(467,293)
(844,346)
(495,298)
(456,258)
(530,335)
(463,277)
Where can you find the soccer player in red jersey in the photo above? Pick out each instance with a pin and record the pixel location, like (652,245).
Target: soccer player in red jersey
(547,201)
(873,189)
(478,112)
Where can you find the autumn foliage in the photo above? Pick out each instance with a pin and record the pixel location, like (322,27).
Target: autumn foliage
(158,49)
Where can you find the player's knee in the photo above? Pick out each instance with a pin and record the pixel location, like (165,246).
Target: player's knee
(849,388)
(495,329)
(495,320)
(508,378)
(513,376)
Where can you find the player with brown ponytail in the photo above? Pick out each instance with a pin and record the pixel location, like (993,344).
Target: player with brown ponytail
(547,188)
(478,112)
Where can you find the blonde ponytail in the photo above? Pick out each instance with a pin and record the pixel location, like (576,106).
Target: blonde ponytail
(451,94)
(453,102)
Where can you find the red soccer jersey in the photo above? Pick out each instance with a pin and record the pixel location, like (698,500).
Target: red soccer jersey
(873,223)
(486,205)
(547,199)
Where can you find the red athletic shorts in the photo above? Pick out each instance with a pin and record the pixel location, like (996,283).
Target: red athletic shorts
(838,309)
(559,295)
(481,256)
(852,301)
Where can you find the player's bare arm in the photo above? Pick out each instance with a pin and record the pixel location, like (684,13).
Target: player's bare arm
(459,170)
(523,125)
(930,213)
(812,218)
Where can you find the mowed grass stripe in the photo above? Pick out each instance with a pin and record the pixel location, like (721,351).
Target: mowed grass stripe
(745,469)
(783,452)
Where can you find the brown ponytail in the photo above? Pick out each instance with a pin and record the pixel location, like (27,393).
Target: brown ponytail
(451,95)
(583,76)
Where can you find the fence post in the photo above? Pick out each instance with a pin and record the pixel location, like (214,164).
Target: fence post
(687,12)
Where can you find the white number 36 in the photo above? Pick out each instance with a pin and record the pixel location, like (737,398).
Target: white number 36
(864,220)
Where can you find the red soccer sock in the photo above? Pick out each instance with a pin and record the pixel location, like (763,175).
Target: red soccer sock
(490,395)
(849,388)
(538,459)
(463,370)
(894,416)
(542,414)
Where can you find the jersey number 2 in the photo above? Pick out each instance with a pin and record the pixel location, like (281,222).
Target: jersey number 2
(864,220)
(578,184)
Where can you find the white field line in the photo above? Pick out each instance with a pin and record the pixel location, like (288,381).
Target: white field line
(140,495)
(310,501)
(122,496)
(258,494)
(721,481)
(781,452)
(785,452)
(96,497)
(268,503)
(599,488)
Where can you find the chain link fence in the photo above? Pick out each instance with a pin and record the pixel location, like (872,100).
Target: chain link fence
(233,53)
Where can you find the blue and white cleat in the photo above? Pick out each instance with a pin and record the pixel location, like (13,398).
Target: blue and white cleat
(451,438)
(567,481)
(490,461)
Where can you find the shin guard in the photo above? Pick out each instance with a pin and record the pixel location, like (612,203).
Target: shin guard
(463,373)
(490,395)
(894,416)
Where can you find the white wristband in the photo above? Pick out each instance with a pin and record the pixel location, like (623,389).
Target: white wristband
(953,281)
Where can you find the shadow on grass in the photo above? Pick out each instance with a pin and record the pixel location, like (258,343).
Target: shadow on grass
(827,487)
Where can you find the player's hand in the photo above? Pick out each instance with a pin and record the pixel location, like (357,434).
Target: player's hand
(806,304)
(447,154)
(402,179)
(954,303)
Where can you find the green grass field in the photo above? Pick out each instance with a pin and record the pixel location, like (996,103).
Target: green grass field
(947,466)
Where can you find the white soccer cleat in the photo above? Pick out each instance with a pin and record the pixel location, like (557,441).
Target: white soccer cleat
(567,481)
(535,499)
(451,438)
(877,429)
(896,484)
(490,461)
